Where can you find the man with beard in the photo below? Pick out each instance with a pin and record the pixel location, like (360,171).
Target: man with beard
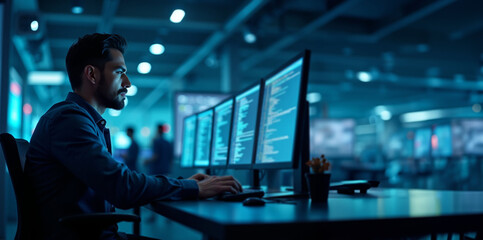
(69,162)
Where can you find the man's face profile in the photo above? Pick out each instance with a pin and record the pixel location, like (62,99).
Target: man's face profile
(113,83)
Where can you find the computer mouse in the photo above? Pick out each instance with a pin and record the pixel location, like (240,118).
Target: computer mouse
(253,201)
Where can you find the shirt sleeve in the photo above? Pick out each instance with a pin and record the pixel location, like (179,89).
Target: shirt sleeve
(75,144)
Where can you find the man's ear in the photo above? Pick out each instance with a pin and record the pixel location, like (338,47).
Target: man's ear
(90,73)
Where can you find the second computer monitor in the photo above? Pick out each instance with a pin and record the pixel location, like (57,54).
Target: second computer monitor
(204,122)
(189,135)
(243,133)
(282,115)
(222,119)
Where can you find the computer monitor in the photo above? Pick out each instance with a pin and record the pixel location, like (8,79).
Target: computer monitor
(332,137)
(204,123)
(467,137)
(243,133)
(188,103)
(441,141)
(222,121)
(282,115)
(188,145)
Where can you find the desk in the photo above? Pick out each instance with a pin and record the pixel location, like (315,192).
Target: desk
(379,213)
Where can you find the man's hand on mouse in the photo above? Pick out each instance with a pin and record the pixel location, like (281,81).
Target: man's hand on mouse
(210,186)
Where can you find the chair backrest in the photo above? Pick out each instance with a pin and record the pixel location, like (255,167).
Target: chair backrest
(14,151)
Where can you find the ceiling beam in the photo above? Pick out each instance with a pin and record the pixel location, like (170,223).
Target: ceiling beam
(218,37)
(215,40)
(292,38)
(467,30)
(65,43)
(29,63)
(60,19)
(410,18)
(157,93)
(109,8)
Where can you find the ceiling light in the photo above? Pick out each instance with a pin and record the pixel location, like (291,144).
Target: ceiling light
(114,112)
(422,116)
(34,25)
(364,76)
(77,9)
(46,78)
(385,115)
(249,37)
(156,49)
(314,97)
(177,16)
(132,91)
(144,67)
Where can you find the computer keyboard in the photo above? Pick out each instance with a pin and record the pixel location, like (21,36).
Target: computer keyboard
(228,196)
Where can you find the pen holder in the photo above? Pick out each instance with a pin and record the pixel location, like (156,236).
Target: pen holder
(318,185)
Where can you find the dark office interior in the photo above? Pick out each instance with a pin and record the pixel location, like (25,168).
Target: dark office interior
(394,88)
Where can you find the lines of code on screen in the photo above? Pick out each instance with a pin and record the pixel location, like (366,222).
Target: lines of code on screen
(221,133)
(279,115)
(203,138)
(244,123)
(188,141)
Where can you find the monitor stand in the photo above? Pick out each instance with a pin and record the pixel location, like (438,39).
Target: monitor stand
(255,184)
(274,179)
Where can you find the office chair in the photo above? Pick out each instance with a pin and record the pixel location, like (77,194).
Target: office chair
(14,151)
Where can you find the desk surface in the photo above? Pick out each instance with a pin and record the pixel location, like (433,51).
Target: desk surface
(380,213)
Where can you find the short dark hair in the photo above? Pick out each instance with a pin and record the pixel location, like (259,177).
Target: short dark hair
(130,129)
(91,49)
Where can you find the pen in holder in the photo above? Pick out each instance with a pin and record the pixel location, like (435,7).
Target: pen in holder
(318,181)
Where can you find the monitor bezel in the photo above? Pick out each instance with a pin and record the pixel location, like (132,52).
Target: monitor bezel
(181,156)
(305,55)
(232,98)
(246,166)
(196,138)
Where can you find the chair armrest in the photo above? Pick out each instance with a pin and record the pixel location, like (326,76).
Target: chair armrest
(97,219)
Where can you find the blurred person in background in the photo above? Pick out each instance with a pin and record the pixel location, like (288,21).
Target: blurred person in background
(131,156)
(160,162)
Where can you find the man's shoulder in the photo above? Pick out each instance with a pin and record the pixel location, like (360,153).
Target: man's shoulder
(65,107)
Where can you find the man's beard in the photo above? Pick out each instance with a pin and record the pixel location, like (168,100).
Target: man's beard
(107,98)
